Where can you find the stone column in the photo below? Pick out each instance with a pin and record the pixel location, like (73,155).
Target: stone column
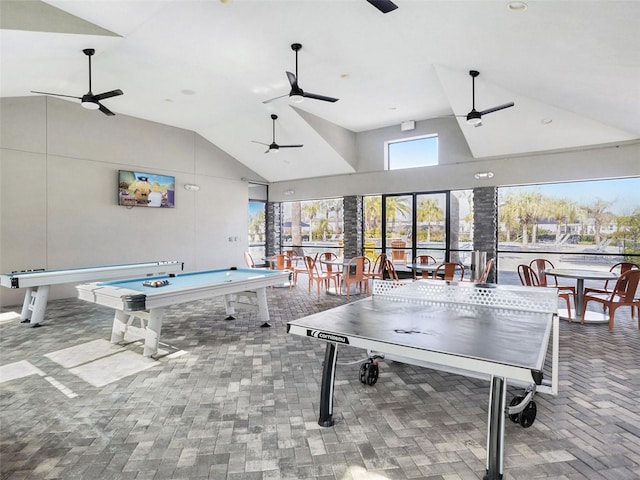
(353,226)
(485,225)
(273,228)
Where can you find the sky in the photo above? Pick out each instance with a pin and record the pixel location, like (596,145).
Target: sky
(624,193)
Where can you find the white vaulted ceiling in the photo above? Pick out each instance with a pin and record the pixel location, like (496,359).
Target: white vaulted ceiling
(208,66)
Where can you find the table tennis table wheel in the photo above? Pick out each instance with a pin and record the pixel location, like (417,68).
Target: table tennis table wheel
(369,373)
(528,415)
(515,417)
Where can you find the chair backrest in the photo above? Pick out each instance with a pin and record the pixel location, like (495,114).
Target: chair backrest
(449,271)
(485,273)
(391,270)
(281,261)
(539,265)
(398,251)
(356,268)
(626,286)
(528,276)
(379,264)
(327,256)
(620,268)
(310,263)
(248,260)
(425,260)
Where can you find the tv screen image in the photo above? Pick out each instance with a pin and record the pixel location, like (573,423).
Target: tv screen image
(139,189)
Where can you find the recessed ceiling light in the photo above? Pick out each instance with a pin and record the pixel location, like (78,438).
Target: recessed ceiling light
(344,75)
(517,6)
(186,91)
(168,100)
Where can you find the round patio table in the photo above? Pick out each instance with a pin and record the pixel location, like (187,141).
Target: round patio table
(580,275)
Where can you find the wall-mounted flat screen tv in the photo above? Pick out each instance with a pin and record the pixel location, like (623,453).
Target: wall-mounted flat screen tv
(139,189)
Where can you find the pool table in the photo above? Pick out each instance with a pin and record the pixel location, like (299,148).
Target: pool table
(37,282)
(146,298)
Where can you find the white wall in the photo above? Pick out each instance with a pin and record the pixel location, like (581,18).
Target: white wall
(457,166)
(58,193)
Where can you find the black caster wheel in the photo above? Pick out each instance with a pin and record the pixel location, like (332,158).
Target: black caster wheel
(528,415)
(515,417)
(369,373)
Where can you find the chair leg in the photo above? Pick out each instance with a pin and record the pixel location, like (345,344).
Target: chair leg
(566,298)
(584,309)
(612,312)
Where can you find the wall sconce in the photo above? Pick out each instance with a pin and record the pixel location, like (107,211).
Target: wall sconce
(191,186)
(483,175)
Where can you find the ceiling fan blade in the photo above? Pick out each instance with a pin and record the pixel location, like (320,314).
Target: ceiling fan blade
(495,109)
(385,6)
(293,81)
(276,98)
(319,97)
(56,94)
(261,143)
(290,146)
(112,93)
(105,110)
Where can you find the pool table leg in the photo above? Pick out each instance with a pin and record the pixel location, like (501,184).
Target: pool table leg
(152,337)
(263,309)
(119,328)
(34,305)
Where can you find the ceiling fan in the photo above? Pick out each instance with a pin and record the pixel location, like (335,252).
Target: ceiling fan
(89,100)
(273,146)
(474,117)
(385,6)
(297,95)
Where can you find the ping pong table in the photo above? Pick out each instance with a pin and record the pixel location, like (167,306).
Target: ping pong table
(37,282)
(486,331)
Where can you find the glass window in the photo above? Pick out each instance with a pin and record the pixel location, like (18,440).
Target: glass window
(313,226)
(399,227)
(411,152)
(431,234)
(372,217)
(461,226)
(592,224)
(257,216)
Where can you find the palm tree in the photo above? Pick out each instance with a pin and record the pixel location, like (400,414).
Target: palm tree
(296,224)
(256,224)
(310,210)
(507,216)
(562,211)
(396,205)
(429,211)
(599,212)
(372,215)
(526,207)
(630,225)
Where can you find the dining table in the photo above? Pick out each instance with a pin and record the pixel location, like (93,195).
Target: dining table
(580,275)
(430,268)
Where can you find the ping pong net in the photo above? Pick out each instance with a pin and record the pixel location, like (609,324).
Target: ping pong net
(469,294)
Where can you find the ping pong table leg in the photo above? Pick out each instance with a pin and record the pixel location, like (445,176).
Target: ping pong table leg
(326,389)
(495,428)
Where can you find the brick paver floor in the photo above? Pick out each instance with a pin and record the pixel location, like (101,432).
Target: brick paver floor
(235,401)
